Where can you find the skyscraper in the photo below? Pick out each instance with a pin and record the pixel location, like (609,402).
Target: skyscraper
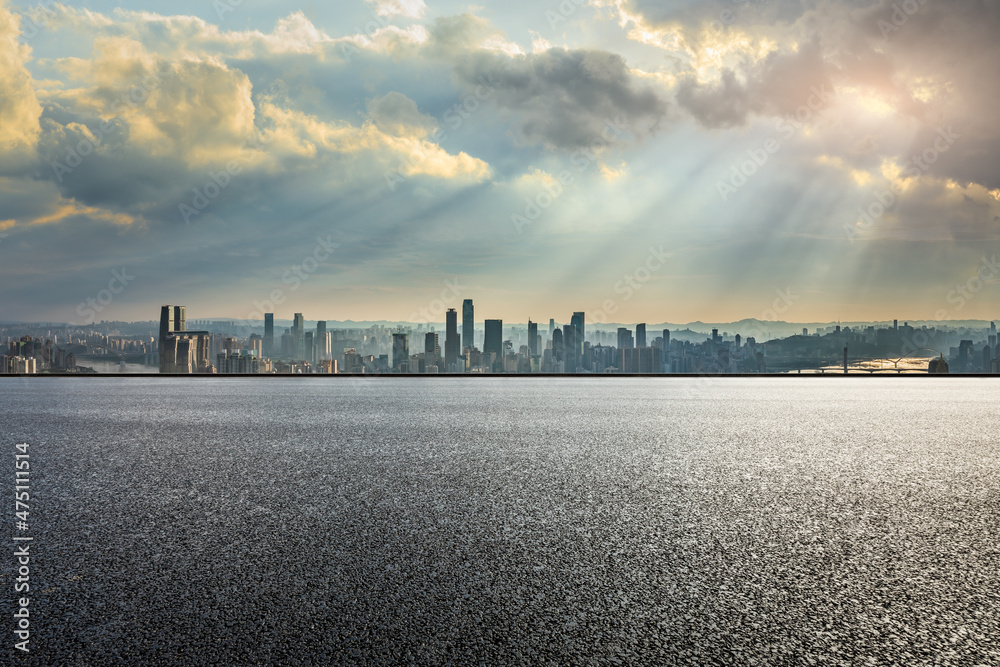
(400,351)
(431,349)
(468,324)
(666,341)
(579,322)
(268,350)
(181,351)
(571,354)
(299,336)
(532,338)
(625,340)
(309,347)
(322,342)
(558,350)
(640,335)
(451,341)
(552,327)
(493,345)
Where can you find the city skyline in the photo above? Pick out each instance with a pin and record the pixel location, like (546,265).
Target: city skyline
(322,347)
(700,158)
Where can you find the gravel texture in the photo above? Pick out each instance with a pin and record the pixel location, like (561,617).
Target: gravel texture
(509,521)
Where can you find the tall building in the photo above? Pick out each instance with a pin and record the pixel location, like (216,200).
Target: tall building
(579,322)
(532,338)
(432,349)
(571,354)
(666,341)
(625,340)
(468,324)
(309,348)
(268,349)
(400,352)
(321,341)
(451,341)
(552,327)
(493,345)
(640,335)
(182,351)
(299,336)
(964,356)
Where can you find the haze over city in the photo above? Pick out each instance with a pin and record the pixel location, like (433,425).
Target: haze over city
(685,161)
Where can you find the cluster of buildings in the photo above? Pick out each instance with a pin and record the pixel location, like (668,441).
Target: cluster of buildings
(487,346)
(28,355)
(570,348)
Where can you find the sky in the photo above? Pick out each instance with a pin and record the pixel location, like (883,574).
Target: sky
(639,160)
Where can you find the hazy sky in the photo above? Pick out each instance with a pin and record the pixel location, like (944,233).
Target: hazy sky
(642,160)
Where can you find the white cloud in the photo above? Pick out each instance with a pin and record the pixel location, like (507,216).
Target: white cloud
(19,107)
(413,9)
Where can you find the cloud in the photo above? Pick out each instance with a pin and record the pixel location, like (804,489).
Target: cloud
(396,114)
(19,107)
(413,9)
(565,98)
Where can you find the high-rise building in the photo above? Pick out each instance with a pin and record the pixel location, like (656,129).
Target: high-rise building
(493,345)
(431,349)
(309,347)
(321,342)
(298,336)
(400,352)
(640,335)
(571,354)
(579,322)
(625,340)
(182,351)
(468,324)
(666,341)
(268,349)
(532,338)
(552,327)
(451,341)
(964,356)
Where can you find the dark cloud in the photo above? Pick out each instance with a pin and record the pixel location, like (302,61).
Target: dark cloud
(564,98)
